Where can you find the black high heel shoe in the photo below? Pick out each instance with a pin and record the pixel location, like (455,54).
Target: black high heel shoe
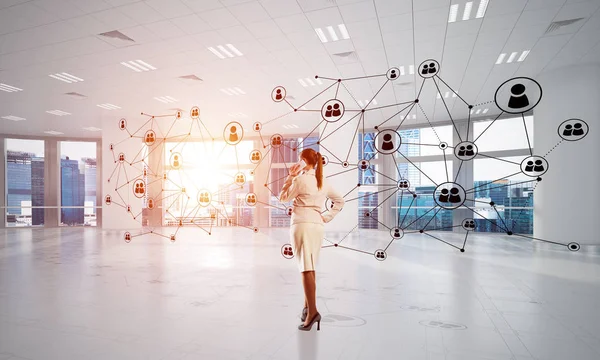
(304,314)
(316,319)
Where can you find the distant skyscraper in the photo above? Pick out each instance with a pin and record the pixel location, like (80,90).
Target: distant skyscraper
(18,169)
(37,190)
(72,192)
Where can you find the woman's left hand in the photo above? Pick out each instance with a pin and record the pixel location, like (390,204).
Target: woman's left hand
(295,170)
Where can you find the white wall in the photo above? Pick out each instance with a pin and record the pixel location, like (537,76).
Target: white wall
(565,205)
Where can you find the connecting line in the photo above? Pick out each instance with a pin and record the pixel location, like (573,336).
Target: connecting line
(362,77)
(332,154)
(478,201)
(451,89)
(430,124)
(274,181)
(261,159)
(500,217)
(314,97)
(387,106)
(445,242)
(447,110)
(412,103)
(283,158)
(343,172)
(433,217)
(538,239)
(507,185)
(383,202)
(491,182)
(360,251)
(400,208)
(337,90)
(446,165)
(310,133)
(488,220)
(407,210)
(527,134)
(442,228)
(430,179)
(554,147)
(377,93)
(422,216)
(370,193)
(141,127)
(385,176)
(287,102)
(354,228)
(468,124)
(272,206)
(279,117)
(354,188)
(497,158)
(459,168)
(492,123)
(361,118)
(465,242)
(350,93)
(113,172)
(341,126)
(421,88)
(405,116)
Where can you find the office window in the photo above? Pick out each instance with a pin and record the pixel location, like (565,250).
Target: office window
(426,141)
(78,183)
(513,196)
(25,182)
(414,213)
(503,134)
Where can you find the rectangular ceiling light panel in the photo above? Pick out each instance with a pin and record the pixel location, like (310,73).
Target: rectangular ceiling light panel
(334,35)
(138,65)
(225,51)
(66,77)
(9,88)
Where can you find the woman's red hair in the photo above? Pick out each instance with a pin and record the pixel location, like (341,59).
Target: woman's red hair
(314,159)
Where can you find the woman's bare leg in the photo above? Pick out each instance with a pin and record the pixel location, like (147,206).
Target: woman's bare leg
(310,293)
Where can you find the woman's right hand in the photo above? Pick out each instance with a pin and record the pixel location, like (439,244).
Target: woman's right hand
(295,170)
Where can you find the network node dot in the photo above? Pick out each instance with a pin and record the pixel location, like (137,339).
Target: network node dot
(492,203)
(416,101)
(421,231)
(462,250)
(335,245)
(509,233)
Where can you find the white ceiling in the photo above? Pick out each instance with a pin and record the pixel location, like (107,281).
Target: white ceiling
(280,46)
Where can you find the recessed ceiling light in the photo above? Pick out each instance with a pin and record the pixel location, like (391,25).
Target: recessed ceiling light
(66,77)
(13,118)
(92,128)
(468,8)
(523,55)
(309,82)
(478,112)
(58,112)
(332,33)
(138,65)
(233,91)
(453,13)
(511,57)
(52,132)
(108,106)
(481,10)
(485,110)
(166,99)
(411,69)
(500,58)
(9,88)
(227,51)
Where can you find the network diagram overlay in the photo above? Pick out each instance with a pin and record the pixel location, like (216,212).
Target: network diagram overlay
(517,96)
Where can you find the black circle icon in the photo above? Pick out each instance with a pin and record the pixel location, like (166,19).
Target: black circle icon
(233,133)
(387,142)
(466,150)
(255,156)
(278,94)
(332,110)
(276,141)
(396,233)
(195,113)
(468,224)
(380,254)
(573,246)
(122,124)
(150,137)
(443,145)
(176,161)
(363,165)
(345,164)
(289,211)
(287,251)
(429,68)
(518,95)
(534,166)
(449,195)
(403,184)
(393,74)
(573,129)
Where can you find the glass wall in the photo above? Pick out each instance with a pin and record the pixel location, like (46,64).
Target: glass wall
(25,182)
(78,174)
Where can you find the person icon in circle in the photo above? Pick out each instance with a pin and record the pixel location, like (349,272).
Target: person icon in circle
(122,124)
(578,129)
(256,127)
(278,95)
(380,255)
(539,166)
(462,151)
(329,111)
(529,166)
(142,190)
(336,110)
(364,165)
(568,131)
(469,151)
(432,69)
(388,143)
(108,200)
(518,99)
(176,161)
(233,136)
(396,233)
(393,74)
(425,69)
(150,204)
(454,196)
(444,195)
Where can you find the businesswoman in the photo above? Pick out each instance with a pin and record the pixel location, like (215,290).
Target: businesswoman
(307,187)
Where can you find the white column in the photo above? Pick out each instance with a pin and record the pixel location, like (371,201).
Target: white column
(2,182)
(340,145)
(565,201)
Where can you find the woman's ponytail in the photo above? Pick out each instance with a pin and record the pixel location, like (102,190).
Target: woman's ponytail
(319,170)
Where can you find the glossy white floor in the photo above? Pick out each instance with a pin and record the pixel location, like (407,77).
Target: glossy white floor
(86,294)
